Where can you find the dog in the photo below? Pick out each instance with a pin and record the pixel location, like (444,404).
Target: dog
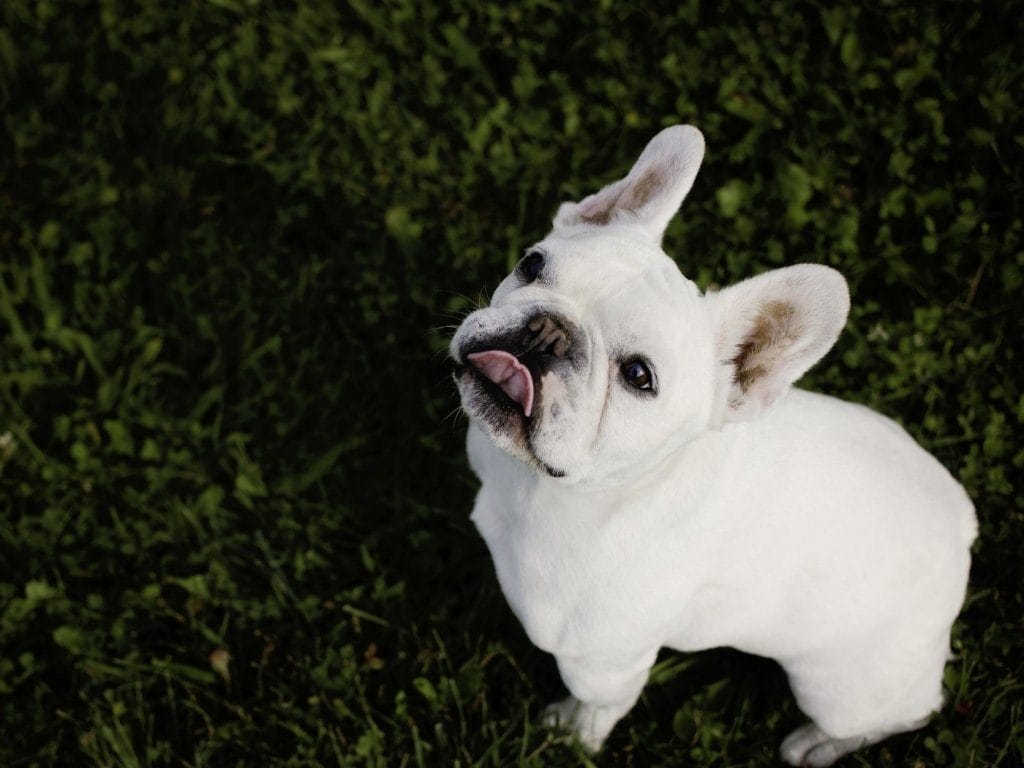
(650,477)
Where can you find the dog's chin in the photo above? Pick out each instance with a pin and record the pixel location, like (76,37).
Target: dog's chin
(504,421)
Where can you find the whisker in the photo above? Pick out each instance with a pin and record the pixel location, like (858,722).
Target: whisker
(453,415)
(445,379)
(475,304)
(439,353)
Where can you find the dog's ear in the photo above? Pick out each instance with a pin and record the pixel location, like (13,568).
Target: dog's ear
(650,194)
(769,330)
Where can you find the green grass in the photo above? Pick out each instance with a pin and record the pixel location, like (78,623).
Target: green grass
(232,236)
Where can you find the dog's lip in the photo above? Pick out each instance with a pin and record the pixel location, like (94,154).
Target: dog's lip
(505,371)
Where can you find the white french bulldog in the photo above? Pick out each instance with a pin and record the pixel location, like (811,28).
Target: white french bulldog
(650,478)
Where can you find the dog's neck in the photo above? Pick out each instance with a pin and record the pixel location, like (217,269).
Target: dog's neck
(689,470)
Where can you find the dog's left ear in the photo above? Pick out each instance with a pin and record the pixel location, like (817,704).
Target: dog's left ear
(769,330)
(649,196)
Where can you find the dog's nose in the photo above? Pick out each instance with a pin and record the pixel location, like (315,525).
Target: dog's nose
(548,336)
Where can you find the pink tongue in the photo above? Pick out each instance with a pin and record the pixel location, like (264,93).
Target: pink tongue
(508,373)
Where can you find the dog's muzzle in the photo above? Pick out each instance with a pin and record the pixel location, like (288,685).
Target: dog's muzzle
(513,363)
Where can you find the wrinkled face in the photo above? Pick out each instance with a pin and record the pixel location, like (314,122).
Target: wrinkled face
(597,358)
(593,359)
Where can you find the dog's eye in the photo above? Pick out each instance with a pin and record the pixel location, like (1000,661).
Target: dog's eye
(637,374)
(531,265)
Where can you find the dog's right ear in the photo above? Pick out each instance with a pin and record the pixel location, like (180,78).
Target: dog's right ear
(650,194)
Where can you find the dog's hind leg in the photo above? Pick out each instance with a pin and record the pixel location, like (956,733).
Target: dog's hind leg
(856,697)
(810,746)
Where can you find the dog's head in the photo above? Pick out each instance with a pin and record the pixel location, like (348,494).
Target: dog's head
(597,358)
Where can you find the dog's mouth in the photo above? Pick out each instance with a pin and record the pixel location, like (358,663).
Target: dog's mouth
(504,370)
(509,368)
(502,379)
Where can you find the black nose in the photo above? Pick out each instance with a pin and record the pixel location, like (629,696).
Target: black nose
(547,336)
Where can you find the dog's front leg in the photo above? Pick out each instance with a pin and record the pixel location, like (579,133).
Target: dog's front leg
(601,694)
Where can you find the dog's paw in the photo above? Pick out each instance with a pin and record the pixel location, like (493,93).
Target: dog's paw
(560,714)
(809,746)
(583,721)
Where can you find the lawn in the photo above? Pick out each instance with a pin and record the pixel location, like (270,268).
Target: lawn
(234,239)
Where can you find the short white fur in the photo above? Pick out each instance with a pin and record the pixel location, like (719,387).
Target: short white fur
(728,509)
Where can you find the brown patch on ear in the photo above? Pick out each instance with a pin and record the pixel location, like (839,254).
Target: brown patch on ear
(775,329)
(632,198)
(646,187)
(601,217)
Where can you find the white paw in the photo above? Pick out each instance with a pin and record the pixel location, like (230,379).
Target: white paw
(583,721)
(808,745)
(560,714)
